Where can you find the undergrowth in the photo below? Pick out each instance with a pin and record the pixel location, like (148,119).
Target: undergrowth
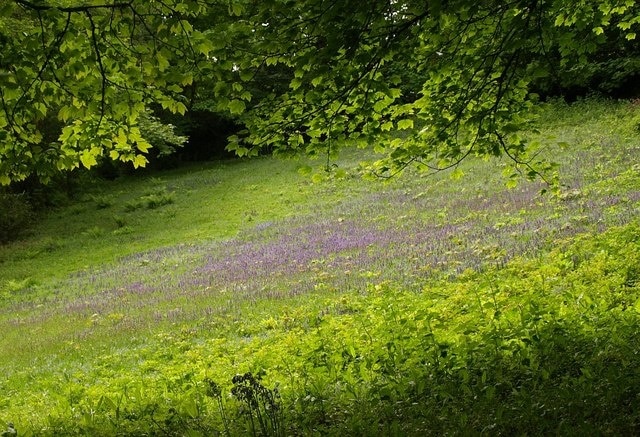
(545,346)
(232,303)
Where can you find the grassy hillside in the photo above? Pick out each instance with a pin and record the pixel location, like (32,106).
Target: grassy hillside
(243,298)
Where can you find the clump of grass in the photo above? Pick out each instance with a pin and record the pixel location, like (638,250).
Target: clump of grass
(103,201)
(94,232)
(153,200)
(120,221)
(9,288)
(123,230)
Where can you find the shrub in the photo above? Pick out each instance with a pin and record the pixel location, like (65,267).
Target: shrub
(16,215)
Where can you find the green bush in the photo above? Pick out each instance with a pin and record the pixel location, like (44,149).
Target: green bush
(16,215)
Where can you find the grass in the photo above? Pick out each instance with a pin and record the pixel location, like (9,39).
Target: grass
(418,306)
(134,214)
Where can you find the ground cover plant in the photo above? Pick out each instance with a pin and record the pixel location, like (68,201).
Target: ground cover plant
(421,306)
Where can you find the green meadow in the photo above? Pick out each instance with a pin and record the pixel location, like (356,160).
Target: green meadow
(247,297)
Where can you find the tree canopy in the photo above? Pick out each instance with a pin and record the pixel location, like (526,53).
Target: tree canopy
(300,75)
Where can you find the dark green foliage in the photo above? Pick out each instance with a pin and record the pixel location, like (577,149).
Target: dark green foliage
(207,132)
(15,216)
(262,406)
(613,76)
(302,77)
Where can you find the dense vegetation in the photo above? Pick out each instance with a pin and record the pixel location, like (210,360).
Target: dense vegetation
(262,297)
(78,78)
(245,298)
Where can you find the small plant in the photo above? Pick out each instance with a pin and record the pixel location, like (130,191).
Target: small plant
(121,222)
(258,404)
(133,205)
(13,286)
(94,232)
(214,391)
(152,200)
(50,245)
(123,230)
(102,202)
(158,199)
(10,431)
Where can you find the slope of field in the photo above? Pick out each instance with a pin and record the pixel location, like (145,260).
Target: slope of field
(242,298)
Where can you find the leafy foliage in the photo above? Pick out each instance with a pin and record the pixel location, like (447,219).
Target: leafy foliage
(161,136)
(94,67)
(475,63)
(301,76)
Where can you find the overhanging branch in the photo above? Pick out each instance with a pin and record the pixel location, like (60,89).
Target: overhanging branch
(69,9)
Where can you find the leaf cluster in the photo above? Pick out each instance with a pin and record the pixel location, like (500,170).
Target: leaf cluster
(312,76)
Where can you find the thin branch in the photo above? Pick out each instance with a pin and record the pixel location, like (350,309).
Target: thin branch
(70,9)
(103,73)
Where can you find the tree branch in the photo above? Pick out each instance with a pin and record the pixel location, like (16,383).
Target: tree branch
(103,73)
(69,9)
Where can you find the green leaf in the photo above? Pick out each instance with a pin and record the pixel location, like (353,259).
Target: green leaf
(143,146)
(236,8)
(65,113)
(139,161)
(405,124)
(341,173)
(179,108)
(205,47)
(295,83)
(511,183)
(88,159)
(237,106)
(314,133)
(318,178)
(457,173)
(163,62)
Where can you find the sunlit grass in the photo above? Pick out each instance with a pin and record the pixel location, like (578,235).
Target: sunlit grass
(251,254)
